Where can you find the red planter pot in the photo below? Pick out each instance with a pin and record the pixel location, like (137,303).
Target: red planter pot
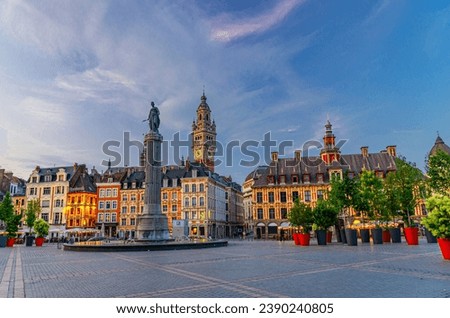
(10,242)
(304,238)
(296,240)
(412,235)
(329,236)
(444,244)
(39,241)
(386,236)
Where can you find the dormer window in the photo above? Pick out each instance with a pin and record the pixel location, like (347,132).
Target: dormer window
(320,177)
(336,174)
(48,178)
(295,179)
(282,179)
(379,174)
(306,178)
(271,179)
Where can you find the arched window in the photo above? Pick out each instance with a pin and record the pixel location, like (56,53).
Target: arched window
(186,202)
(202,201)
(194,201)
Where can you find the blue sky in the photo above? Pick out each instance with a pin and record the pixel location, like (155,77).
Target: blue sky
(75,74)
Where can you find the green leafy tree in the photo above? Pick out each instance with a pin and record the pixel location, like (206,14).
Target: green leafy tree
(438,219)
(6,207)
(41,227)
(392,197)
(369,195)
(438,170)
(407,187)
(342,193)
(7,213)
(31,213)
(324,215)
(301,216)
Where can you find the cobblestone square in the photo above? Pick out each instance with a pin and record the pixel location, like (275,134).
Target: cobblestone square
(242,269)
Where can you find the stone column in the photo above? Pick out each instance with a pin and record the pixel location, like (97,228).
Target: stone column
(152,224)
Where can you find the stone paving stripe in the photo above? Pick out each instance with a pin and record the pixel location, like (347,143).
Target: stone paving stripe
(4,285)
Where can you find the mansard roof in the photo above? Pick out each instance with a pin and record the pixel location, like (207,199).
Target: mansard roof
(173,173)
(113,175)
(81,181)
(43,172)
(255,174)
(294,171)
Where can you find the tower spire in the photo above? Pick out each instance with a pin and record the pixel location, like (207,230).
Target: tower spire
(329,152)
(204,134)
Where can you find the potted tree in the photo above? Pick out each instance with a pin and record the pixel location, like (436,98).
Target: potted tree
(438,221)
(12,220)
(392,207)
(370,199)
(301,216)
(41,227)
(342,197)
(324,216)
(409,185)
(31,213)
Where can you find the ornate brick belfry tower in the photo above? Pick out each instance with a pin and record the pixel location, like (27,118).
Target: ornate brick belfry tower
(204,135)
(329,152)
(152,224)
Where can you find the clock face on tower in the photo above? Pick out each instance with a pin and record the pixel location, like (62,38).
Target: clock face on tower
(198,154)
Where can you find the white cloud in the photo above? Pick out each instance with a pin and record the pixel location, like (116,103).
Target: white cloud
(377,10)
(229,28)
(55,27)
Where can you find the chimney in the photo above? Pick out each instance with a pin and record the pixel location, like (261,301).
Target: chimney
(298,155)
(275,156)
(365,151)
(392,150)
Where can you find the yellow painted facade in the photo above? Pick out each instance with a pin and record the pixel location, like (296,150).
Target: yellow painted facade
(271,204)
(171,199)
(81,210)
(131,206)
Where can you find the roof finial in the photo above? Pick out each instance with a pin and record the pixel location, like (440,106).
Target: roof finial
(203,90)
(438,133)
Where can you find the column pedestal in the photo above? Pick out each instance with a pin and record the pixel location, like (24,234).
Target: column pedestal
(152,225)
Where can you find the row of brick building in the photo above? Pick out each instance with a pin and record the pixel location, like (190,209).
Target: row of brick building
(75,199)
